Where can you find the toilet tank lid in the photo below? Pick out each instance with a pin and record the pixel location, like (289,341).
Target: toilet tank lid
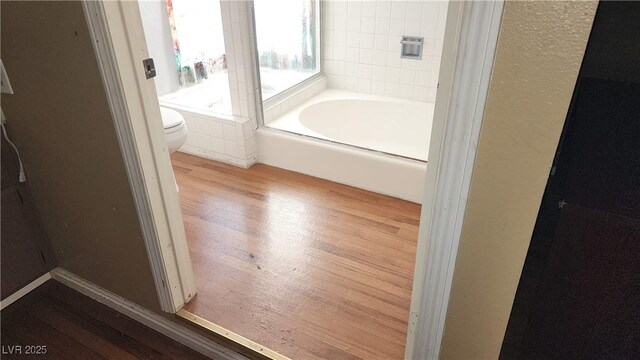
(170,117)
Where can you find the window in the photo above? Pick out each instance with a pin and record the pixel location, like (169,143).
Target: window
(196,28)
(198,42)
(287,42)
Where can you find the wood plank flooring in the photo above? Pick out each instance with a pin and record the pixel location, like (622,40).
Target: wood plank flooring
(72,326)
(307,267)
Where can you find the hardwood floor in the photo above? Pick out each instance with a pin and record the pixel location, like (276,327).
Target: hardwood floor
(307,267)
(72,326)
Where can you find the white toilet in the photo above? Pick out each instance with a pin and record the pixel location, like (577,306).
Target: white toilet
(175,128)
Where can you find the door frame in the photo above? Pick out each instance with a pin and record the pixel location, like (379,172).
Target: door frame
(471,38)
(120,48)
(463,86)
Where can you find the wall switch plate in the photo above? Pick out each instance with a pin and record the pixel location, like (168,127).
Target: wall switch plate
(4,80)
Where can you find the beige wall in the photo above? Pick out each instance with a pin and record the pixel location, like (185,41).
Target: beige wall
(539,54)
(60,120)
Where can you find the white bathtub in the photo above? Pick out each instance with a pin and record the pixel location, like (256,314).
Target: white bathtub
(390,125)
(398,132)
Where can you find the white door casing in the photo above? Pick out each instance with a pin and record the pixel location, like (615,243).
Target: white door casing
(471,37)
(119,43)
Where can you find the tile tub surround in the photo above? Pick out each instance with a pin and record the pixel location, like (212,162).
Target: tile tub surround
(216,137)
(236,27)
(274,108)
(361,46)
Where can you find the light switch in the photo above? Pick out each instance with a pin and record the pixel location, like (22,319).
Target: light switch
(4,81)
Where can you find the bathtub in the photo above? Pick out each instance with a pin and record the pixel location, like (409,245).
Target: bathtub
(371,142)
(390,125)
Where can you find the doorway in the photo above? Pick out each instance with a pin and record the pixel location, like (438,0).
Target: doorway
(300,265)
(578,292)
(485,20)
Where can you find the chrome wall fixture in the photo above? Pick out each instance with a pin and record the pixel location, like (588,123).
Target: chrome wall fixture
(411,47)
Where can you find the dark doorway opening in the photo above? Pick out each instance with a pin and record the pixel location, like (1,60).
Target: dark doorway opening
(579,293)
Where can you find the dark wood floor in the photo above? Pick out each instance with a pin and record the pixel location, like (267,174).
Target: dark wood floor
(307,267)
(69,325)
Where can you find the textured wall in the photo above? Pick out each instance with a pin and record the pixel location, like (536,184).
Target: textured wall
(539,53)
(60,119)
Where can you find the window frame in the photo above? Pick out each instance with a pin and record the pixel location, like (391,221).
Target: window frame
(295,88)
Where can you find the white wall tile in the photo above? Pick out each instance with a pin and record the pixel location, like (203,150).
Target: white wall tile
(392,75)
(432,95)
(340,23)
(414,10)
(368,25)
(364,85)
(425,63)
(399,10)
(394,43)
(442,14)
(229,131)
(391,89)
(353,54)
(340,38)
(352,69)
(251,146)
(339,53)
(382,26)
(379,57)
(409,63)
(353,24)
(216,145)
(378,73)
(396,27)
(365,35)
(412,28)
(215,129)
(327,52)
(422,78)
(231,148)
(367,40)
(366,56)
(381,42)
(354,8)
(327,37)
(352,83)
(368,8)
(327,22)
(340,8)
(394,60)
(353,39)
(365,71)
(407,76)
(383,9)
(420,93)
(377,87)
(405,91)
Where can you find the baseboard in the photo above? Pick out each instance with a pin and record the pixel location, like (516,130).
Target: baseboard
(239,339)
(24,291)
(181,334)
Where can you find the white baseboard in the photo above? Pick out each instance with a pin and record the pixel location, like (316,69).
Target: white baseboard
(24,291)
(148,318)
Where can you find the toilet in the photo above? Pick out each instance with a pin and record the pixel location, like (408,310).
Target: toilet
(175,128)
